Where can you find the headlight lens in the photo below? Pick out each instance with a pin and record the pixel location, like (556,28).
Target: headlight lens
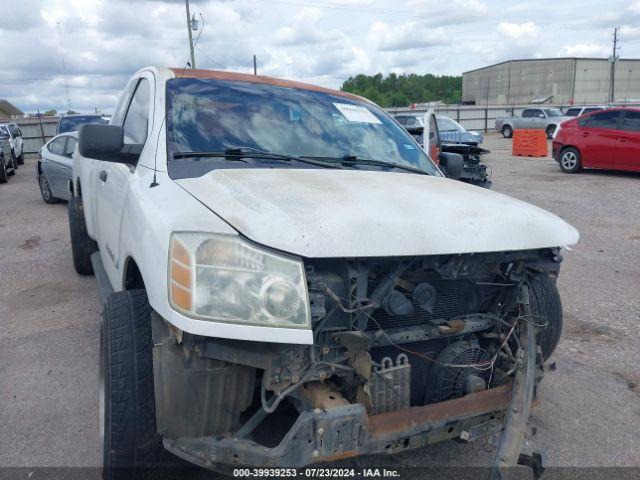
(226,279)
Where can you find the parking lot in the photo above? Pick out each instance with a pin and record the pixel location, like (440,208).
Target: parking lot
(589,408)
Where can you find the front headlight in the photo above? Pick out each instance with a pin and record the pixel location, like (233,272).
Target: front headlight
(226,279)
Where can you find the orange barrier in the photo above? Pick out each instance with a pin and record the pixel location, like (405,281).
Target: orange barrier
(529,143)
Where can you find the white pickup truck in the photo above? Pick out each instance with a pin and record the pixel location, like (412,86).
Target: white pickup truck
(546,119)
(289,279)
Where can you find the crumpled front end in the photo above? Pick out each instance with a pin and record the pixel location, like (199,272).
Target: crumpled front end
(407,352)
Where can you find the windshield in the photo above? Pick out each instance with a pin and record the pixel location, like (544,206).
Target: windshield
(71,124)
(445,123)
(208,115)
(553,112)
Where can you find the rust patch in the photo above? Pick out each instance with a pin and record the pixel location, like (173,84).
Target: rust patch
(486,401)
(341,456)
(321,396)
(246,77)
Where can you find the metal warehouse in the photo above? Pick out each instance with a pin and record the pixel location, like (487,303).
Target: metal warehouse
(554,80)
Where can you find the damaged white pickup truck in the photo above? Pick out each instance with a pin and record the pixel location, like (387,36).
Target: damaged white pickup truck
(289,279)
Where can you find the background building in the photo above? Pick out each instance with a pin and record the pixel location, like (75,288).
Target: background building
(552,80)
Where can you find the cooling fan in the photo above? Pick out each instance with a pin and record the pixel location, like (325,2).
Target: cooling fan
(450,380)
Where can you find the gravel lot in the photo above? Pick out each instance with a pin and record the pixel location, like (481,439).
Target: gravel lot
(589,413)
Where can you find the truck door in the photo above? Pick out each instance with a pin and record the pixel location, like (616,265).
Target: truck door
(431,137)
(113,178)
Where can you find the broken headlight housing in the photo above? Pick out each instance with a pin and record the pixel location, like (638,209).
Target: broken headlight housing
(224,278)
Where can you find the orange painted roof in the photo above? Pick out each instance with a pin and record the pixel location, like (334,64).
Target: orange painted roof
(247,77)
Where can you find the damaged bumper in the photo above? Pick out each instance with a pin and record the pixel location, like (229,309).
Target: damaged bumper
(347,431)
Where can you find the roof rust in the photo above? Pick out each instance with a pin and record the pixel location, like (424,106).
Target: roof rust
(246,77)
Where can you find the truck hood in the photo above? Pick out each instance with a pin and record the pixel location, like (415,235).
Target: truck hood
(354,213)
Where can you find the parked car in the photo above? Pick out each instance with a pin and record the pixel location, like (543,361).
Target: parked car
(474,171)
(7,160)
(608,139)
(71,123)
(410,120)
(577,111)
(291,257)
(546,119)
(55,166)
(15,138)
(452,132)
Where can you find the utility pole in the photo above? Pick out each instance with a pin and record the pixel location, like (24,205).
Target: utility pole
(255,65)
(612,76)
(193,56)
(64,67)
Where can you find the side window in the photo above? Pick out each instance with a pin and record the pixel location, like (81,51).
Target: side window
(631,121)
(402,120)
(572,112)
(57,146)
(588,110)
(608,120)
(585,121)
(71,145)
(137,119)
(118,114)
(537,113)
(527,113)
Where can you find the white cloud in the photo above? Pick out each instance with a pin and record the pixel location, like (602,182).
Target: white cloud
(405,36)
(586,50)
(522,32)
(634,7)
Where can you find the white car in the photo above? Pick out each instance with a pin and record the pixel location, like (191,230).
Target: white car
(15,135)
(54,168)
(288,279)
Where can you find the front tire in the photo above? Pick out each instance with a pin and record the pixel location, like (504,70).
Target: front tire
(507,131)
(550,131)
(3,171)
(82,246)
(45,190)
(546,308)
(131,444)
(570,161)
(21,158)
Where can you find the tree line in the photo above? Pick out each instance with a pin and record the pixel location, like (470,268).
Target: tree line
(402,90)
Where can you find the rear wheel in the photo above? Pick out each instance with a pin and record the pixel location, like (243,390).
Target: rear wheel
(3,171)
(14,160)
(82,246)
(507,131)
(21,158)
(546,309)
(130,443)
(570,160)
(45,190)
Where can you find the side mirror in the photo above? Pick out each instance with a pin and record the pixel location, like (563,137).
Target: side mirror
(106,142)
(452,164)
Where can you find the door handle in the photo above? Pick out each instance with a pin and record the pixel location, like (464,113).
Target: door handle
(103,175)
(585,134)
(622,139)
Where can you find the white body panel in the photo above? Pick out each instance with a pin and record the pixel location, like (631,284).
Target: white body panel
(312,213)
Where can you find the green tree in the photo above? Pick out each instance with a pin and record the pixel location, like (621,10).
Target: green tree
(402,90)
(52,112)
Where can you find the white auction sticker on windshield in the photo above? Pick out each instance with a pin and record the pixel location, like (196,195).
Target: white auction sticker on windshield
(356,113)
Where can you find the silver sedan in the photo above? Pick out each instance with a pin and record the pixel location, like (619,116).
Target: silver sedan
(55,166)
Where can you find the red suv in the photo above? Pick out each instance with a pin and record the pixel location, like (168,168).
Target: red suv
(609,139)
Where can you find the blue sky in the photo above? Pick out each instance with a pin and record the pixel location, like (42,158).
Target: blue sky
(104,41)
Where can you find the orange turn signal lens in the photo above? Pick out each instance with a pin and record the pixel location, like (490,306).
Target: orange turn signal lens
(180,271)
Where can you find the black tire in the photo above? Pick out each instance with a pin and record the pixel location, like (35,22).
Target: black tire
(82,246)
(131,447)
(549,131)
(45,190)
(546,308)
(3,171)
(569,160)
(507,131)
(21,159)
(14,160)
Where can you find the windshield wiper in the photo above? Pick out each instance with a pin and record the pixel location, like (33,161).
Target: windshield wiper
(355,160)
(240,153)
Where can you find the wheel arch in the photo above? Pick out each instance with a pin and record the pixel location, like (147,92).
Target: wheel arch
(132,278)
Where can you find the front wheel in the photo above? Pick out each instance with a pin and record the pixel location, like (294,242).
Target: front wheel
(3,171)
(21,158)
(546,309)
(82,246)
(507,131)
(550,131)
(570,160)
(130,443)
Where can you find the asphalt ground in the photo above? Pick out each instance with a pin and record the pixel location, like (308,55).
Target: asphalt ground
(588,415)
